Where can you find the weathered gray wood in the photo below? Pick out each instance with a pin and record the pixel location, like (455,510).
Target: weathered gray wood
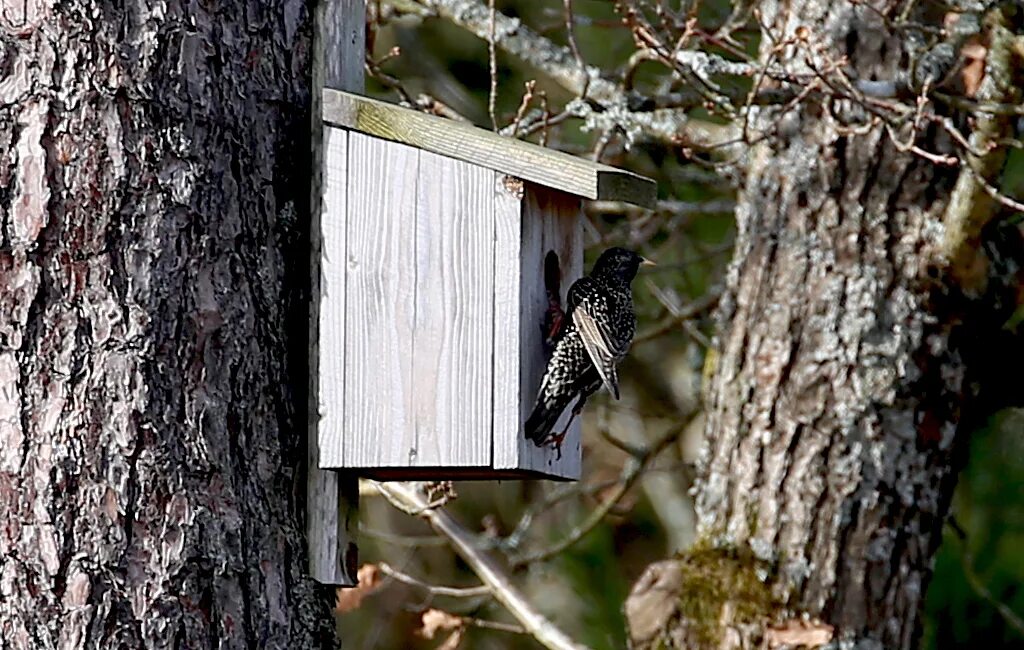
(550,222)
(453,342)
(332,310)
(508,421)
(521,159)
(343,27)
(332,498)
(380,285)
(444,297)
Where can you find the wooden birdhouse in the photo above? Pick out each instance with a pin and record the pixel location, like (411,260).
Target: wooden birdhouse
(432,294)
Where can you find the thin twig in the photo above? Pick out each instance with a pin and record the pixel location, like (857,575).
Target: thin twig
(574,46)
(967,562)
(513,540)
(493,625)
(404,541)
(630,474)
(523,105)
(493,61)
(434,590)
(679,315)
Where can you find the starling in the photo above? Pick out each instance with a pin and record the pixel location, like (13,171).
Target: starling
(599,326)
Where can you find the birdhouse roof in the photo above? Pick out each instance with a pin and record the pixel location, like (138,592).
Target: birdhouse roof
(472,144)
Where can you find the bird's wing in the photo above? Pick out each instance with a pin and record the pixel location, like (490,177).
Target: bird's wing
(600,342)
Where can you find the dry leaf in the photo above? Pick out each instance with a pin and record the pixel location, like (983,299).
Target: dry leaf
(973,72)
(809,634)
(653,601)
(453,640)
(433,620)
(349,598)
(972,57)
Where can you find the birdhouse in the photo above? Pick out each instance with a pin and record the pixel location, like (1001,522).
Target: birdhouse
(432,295)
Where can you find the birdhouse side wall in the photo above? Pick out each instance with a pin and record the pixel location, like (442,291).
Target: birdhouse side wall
(543,220)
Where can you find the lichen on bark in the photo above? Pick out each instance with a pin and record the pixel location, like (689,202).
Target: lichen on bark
(707,597)
(847,365)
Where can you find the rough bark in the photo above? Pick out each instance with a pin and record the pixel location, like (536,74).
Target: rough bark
(846,369)
(153,172)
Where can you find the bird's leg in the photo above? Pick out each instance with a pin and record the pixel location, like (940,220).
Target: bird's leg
(556,440)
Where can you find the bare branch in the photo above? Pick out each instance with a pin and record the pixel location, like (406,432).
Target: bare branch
(409,497)
(492,57)
(680,315)
(559,64)
(667,207)
(571,31)
(967,563)
(971,203)
(434,590)
(630,473)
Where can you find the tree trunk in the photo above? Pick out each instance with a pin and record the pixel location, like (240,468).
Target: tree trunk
(153,176)
(845,368)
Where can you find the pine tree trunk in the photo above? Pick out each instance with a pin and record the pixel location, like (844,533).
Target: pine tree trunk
(153,176)
(845,365)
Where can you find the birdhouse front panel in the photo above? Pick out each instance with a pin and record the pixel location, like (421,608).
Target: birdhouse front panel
(418,332)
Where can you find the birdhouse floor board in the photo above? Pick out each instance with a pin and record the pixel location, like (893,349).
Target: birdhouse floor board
(456,474)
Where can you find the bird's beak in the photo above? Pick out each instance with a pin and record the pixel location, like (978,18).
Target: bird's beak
(647,262)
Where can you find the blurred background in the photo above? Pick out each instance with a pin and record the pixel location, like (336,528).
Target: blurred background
(975,599)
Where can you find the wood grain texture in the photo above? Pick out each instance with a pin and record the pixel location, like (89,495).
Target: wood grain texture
(453,341)
(343,25)
(550,222)
(380,285)
(332,498)
(546,167)
(507,429)
(332,309)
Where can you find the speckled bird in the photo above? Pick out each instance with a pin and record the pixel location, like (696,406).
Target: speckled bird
(599,328)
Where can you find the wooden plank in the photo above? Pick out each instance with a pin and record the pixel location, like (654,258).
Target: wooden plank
(331,341)
(563,233)
(332,498)
(541,165)
(508,422)
(453,344)
(550,222)
(344,38)
(380,287)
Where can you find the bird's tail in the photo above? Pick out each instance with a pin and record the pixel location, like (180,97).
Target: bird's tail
(541,421)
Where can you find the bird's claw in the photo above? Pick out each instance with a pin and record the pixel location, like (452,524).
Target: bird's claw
(555,442)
